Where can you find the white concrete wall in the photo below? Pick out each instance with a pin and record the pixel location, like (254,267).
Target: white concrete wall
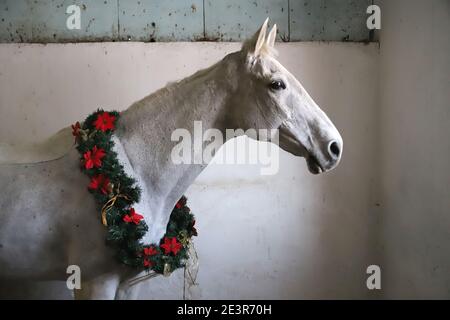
(292,235)
(415,148)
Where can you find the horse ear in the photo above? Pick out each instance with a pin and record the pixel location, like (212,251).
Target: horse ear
(272,36)
(255,44)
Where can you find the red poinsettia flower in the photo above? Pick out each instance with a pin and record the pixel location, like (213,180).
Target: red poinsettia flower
(104,122)
(93,158)
(148,263)
(171,245)
(101,182)
(133,217)
(76,129)
(181,203)
(150,251)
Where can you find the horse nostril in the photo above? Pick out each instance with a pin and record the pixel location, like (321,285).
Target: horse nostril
(334,149)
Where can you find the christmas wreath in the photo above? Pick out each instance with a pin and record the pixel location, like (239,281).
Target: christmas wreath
(115,193)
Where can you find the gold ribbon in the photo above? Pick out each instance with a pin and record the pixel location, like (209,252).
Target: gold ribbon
(183,238)
(109,204)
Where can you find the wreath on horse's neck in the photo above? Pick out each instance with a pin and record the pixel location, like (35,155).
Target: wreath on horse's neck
(115,193)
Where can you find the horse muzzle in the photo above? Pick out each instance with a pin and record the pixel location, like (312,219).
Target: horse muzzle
(327,160)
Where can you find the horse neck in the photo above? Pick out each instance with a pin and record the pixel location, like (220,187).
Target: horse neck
(146,127)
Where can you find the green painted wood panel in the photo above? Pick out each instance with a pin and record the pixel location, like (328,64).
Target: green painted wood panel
(161,20)
(182,20)
(231,20)
(45,20)
(329,20)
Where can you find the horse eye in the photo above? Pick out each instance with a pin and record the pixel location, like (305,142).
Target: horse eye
(277,85)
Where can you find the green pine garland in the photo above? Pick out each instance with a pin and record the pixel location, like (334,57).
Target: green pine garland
(115,193)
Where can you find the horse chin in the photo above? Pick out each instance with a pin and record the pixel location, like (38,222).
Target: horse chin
(314,165)
(291,144)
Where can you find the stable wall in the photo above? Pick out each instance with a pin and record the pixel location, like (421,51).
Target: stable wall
(415,148)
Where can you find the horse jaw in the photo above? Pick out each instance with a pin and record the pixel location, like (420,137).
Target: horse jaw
(296,138)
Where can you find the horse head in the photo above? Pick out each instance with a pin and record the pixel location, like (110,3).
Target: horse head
(269,96)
